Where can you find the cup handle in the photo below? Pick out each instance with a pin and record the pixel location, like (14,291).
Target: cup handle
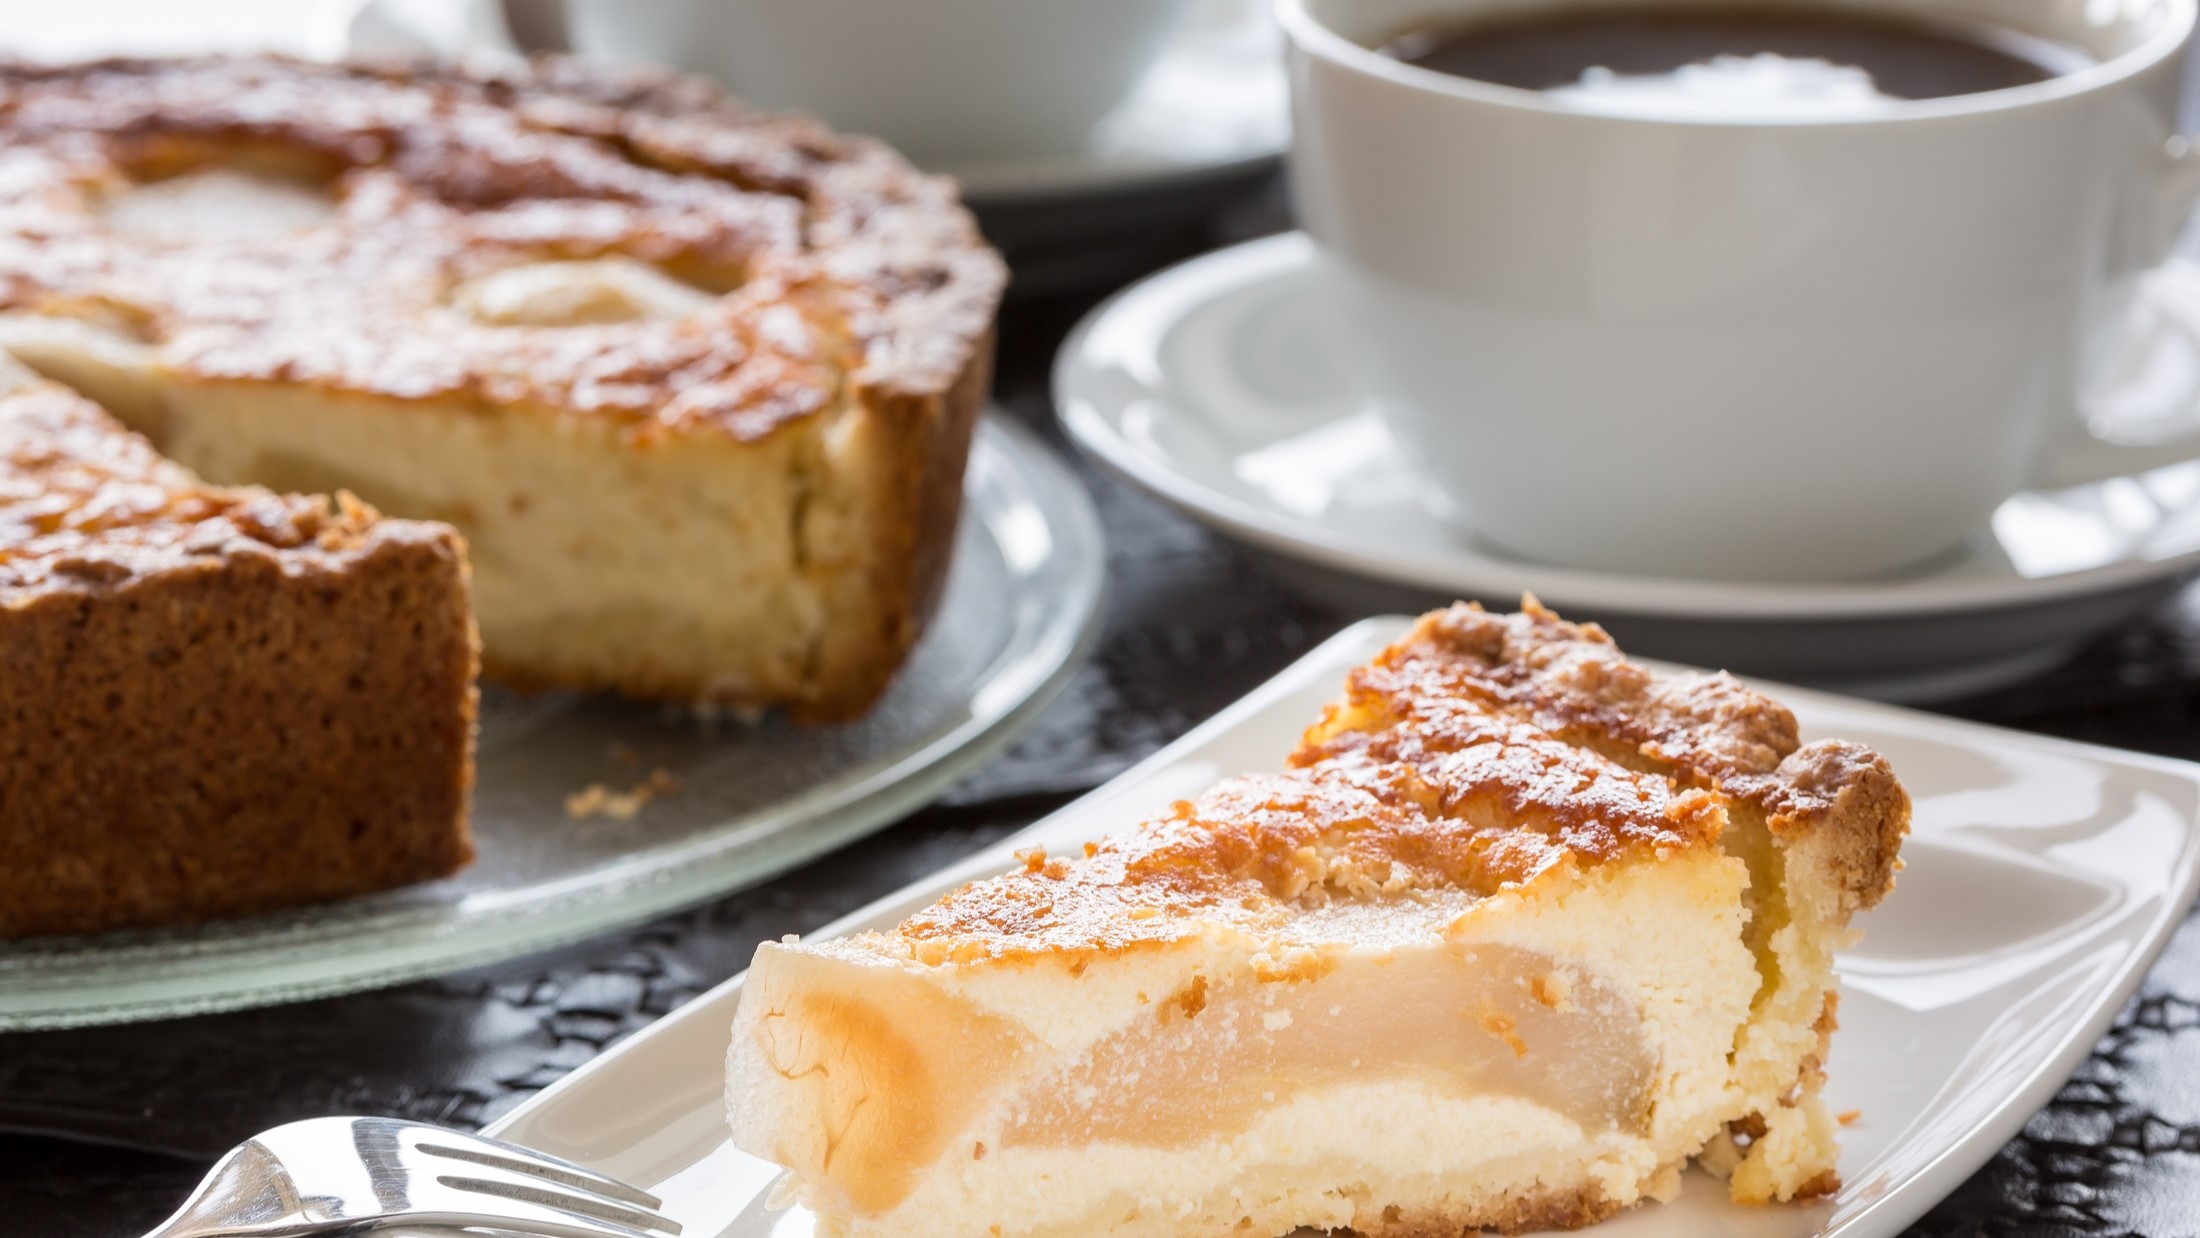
(2095,446)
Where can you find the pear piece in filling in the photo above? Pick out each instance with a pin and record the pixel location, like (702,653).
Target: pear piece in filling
(1523,929)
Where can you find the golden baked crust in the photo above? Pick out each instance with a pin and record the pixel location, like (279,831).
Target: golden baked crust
(811,278)
(1480,752)
(219,701)
(83,502)
(438,176)
(1701,729)
(1465,803)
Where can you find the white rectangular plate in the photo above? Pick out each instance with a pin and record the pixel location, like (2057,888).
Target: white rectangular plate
(2043,878)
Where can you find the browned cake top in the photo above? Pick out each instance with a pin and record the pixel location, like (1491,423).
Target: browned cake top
(1700,729)
(1479,753)
(1257,851)
(413,232)
(85,503)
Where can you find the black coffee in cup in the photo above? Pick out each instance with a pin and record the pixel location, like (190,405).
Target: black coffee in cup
(1745,55)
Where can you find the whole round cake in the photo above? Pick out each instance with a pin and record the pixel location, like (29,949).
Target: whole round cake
(667,396)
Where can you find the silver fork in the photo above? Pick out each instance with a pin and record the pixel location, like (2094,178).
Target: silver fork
(350,1175)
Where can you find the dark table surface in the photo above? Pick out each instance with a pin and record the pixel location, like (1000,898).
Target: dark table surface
(103,1130)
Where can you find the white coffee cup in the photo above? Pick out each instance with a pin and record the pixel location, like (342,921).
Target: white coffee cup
(1731,347)
(948,82)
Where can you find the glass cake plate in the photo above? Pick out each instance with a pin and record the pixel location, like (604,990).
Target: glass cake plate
(727,802)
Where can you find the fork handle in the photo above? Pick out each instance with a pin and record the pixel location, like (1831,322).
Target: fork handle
(226,1192)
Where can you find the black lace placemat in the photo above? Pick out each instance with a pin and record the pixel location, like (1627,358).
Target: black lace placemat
(114,1125)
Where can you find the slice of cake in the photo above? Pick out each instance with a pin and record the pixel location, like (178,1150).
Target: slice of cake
(1522,930)
(697,383)
(217,701)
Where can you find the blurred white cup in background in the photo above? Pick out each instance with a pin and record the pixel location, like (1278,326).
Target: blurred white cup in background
(945,81)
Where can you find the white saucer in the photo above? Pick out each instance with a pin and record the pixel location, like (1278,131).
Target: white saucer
(1220,386)
(1215,105)
(2043,877)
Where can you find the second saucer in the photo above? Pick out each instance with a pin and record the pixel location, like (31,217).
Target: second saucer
(1220,386)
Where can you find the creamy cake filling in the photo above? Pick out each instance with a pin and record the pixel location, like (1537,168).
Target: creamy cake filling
(1483,1020)
(910,1074)
(1235,1068)
(934,1088)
